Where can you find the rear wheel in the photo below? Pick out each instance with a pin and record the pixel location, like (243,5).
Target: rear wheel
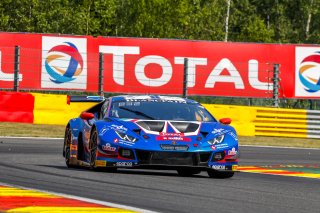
(219,174)
(186,172)
(66,148)
(93,146)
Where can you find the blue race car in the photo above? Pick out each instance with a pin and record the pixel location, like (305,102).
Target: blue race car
(151,132)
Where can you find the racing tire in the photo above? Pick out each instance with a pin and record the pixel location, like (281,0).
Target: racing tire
(66,147)
(188,172)
(93,146)
(219,174)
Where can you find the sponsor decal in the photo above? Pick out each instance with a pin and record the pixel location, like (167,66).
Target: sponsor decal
(233,151)
(215,131)
(220,146)
(307,75)
(101,163)
(174,147)
(124,164)
(121,128)
(218,167)
(103,131)
(113,127)
(127,143)
(177,138)
(108,147)
(219,131)
(172,136)
(116,140)
(155,99)
(64,63)
(233,135)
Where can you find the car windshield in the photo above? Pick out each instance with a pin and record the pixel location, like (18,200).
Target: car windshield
(162,110)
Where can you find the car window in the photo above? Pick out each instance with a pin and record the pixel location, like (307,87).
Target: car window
(104,109)
(161,110)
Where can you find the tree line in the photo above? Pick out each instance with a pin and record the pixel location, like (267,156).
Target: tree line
(265,21)
(271,21)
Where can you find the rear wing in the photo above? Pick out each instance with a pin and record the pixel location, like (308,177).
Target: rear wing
(84,99)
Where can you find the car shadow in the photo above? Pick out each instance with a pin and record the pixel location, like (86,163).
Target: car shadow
(165,173)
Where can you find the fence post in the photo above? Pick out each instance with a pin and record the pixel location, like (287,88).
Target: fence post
(275,97)
(101,65)
(185,78)
(16,68)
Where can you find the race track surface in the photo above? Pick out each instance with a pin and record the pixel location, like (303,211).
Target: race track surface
(38,164)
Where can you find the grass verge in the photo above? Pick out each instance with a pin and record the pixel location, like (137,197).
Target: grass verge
(57,131)
(31,130)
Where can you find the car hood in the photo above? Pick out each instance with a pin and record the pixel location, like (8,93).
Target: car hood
(157,134)
(176,128)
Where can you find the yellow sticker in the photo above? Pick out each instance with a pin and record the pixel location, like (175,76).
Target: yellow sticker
(101,163)
(234,167)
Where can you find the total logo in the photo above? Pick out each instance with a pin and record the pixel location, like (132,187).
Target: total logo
(64,63)
(307,78)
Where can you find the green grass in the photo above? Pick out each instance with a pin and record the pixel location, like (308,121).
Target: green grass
(57,131)
(31,130)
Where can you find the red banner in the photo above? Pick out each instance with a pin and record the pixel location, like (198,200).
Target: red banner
(153,66)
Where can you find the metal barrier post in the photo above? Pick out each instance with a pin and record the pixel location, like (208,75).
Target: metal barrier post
(275,97)
(185,78)
(16,68)
(101,65)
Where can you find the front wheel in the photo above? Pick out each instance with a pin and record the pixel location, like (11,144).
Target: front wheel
(93,146)
(219,174)
(66,146)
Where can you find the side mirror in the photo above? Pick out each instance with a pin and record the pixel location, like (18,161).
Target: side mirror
(86,115)
(225,121)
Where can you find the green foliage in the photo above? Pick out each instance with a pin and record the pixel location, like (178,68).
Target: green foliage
(276,21)
(272,21)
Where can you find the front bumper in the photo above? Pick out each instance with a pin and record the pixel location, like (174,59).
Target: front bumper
(173,160)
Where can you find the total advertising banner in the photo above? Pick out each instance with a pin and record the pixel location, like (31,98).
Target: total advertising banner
(156,66)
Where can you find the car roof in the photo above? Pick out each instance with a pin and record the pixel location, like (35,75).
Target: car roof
(160,98)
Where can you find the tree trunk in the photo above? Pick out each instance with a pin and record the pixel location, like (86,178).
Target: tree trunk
(227,21)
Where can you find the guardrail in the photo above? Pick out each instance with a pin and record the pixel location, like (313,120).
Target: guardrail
(313,123)
(248,121)
(264,121)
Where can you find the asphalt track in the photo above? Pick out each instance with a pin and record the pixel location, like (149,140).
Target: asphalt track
(38,163)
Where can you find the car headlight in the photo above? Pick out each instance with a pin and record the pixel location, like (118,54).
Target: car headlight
(125,137)
(216,140)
